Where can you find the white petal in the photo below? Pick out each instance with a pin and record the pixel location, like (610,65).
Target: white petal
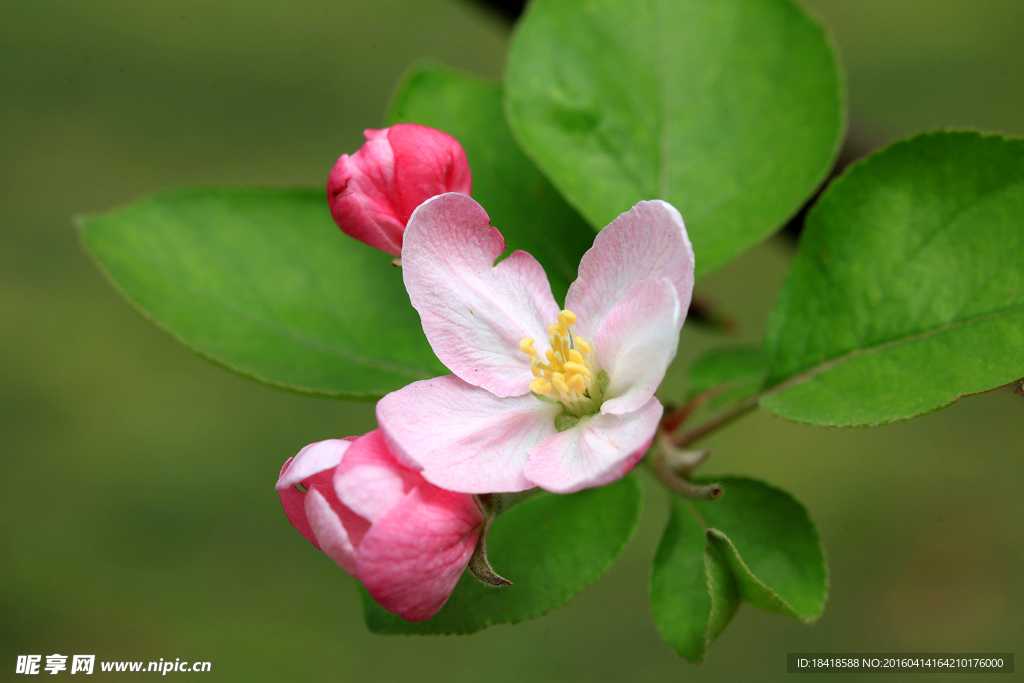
(648,241)
(465,438)
(473,312)
(636,343)
(600,449)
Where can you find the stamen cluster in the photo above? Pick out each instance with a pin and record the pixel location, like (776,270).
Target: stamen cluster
(569,375)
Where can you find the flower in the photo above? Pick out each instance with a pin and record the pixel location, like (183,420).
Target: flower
(373,192)
(563,400)
(406,540)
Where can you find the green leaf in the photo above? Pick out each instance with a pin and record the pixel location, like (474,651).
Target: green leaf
(693,592)
(530,213)
(771,545)
(733,368)
(731,110)
(735,374)
(907,291)
(551,547)
(263,283)
(755,544)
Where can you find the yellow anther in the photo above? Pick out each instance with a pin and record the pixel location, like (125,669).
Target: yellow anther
(577,369)
(577,383)
(566,369)
(540,386)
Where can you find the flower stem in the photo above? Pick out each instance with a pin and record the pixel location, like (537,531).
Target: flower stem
(677,484)
(720,420)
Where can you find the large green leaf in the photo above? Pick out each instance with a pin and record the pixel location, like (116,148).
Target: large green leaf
(731,110)
(755,544)
(530,213)
(551,547)
(265,284)
(908,288)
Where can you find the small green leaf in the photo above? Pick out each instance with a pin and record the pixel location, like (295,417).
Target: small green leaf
(728,368)
(735,374)
(263,283)
(693,593)
(731,110)
(726,595)
(907,291)
(520,201)
(770,543)
(750,587)
(754,544)
(551,547)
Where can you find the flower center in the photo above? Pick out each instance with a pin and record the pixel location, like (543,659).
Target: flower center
(570,375)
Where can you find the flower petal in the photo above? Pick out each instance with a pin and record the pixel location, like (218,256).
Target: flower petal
(313,459)
(412,558)
(311,467)
(473,312)
(465,438)
(370,481)
(361,191)
(647,241)
(428,162)
(294,502)
(331,535)
(600,449)
(636,342)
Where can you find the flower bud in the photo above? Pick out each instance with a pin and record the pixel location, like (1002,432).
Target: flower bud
(373,192)
(405,539)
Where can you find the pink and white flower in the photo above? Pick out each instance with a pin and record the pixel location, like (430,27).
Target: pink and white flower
(405,539)
(561,399)
(373,192)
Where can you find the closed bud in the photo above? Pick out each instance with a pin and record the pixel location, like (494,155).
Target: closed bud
(373,192)
(405,539)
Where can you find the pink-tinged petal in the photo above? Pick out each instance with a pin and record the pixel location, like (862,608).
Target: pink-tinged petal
(462,437)
(313,459)
(294,503)
(370,481)
(361,194)
(412,558)
(312,467)
(600,449)
(428,162)
(473,312)
(331,535)
(636,343)
(647,241)
(373,192)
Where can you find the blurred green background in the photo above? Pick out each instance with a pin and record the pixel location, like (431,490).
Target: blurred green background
(138,518)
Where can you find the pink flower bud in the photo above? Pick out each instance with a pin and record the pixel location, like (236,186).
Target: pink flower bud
(405,539)
(373,192)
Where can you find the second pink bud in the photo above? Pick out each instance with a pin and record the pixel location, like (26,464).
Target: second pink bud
(373,192)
